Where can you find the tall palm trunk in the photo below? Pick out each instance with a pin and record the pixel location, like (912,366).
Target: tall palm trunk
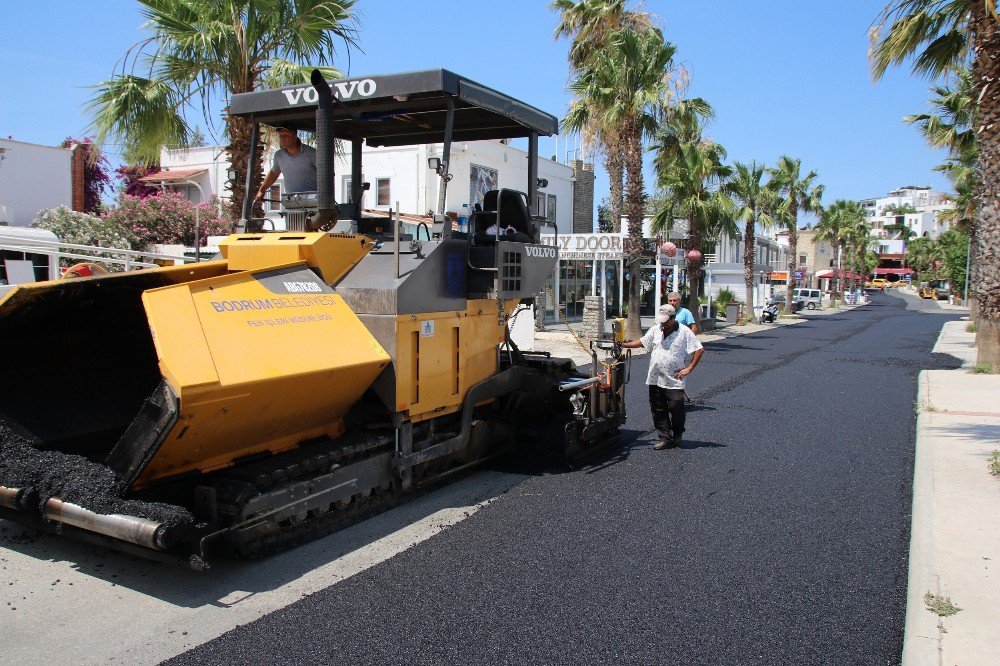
(615,167)
(635,208)
(695,271)
(987,224)
(749,245)
(240,130)
(793,247)
(851,280)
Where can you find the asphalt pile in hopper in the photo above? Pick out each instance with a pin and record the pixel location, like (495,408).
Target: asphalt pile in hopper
(74,479)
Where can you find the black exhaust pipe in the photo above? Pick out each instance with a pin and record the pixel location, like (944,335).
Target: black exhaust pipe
(327,209)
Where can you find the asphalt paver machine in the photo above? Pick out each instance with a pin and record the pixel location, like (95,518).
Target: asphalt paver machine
(310,377)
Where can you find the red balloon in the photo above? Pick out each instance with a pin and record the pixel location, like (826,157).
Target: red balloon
(694,255)
(668,248)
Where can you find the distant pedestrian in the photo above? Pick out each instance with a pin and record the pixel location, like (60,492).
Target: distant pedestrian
(674,353)
(683,315)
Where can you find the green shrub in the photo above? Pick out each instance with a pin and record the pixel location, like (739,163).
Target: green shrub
(166,219)
(77,228)
(725,296)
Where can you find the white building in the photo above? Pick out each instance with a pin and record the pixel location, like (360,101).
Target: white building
(34,177)
(925,220)
(400,175)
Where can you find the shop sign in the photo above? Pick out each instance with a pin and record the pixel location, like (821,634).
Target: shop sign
(587,246)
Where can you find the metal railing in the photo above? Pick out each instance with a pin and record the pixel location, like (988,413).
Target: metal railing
(58,250)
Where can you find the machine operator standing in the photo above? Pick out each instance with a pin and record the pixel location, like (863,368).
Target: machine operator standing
(674,354)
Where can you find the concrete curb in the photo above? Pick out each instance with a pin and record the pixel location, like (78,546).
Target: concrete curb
(922,633)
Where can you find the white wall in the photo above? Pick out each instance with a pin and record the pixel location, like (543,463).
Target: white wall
(32,178)
(211,158)
(411,183)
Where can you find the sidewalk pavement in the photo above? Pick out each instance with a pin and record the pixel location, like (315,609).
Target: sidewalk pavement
(955,533)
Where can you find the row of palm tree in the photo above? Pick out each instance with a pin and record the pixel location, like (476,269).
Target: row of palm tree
(844,225)
(957,42)
(627,92)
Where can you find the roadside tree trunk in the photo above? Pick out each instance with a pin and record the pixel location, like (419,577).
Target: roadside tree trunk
(987,223)
(614,165)
(695,272)
(749,244)
(634,208)
(793,247)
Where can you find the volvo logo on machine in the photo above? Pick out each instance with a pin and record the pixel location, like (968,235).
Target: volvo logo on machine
(540,251)
(340,89)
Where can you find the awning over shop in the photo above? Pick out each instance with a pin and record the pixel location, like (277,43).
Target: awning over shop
(171,175)
(893,271)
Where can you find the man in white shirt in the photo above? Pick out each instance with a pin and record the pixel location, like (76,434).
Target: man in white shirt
(674,353)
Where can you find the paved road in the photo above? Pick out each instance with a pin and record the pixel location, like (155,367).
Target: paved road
(777,534)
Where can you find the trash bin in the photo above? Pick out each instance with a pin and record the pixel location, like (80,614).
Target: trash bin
(732,313)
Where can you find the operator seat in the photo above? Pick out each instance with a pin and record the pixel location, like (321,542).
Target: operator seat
(513,213)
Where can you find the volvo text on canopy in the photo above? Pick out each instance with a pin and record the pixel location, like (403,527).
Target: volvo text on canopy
(434,106)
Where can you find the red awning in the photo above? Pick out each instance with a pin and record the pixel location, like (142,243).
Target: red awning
(893,271)
(171,175)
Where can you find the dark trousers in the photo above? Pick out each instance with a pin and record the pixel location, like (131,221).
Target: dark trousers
(667,406)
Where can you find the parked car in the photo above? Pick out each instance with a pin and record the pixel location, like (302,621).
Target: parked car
(813,297)
(878,283)
(797,303)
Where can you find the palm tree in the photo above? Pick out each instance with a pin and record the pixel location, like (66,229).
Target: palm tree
(800,193)
(920,255)
(754,201)
(691,179)
(625,84)
(831,227)
(857,238)
(938,36)
(591,25)
(201,50)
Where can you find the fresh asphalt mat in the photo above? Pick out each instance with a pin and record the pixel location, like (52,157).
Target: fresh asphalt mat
(777,533)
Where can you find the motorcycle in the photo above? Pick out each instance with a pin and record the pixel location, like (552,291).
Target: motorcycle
(770,313)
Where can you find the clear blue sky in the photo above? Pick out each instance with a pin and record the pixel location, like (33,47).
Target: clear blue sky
(785,76)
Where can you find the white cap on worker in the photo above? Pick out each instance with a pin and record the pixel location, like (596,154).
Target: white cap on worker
(665,313)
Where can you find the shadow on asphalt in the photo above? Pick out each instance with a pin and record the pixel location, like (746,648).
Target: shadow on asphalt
(728,346)
(688,444)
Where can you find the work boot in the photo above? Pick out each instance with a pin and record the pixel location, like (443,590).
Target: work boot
(663,444)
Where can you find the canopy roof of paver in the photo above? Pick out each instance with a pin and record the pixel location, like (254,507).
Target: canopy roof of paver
(401,109)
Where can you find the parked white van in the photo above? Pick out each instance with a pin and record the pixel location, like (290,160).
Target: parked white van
(812,297)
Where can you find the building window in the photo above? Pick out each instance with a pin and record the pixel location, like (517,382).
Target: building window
(550,211)
(382,187)
(274,198)
(802,259)
(345,190)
